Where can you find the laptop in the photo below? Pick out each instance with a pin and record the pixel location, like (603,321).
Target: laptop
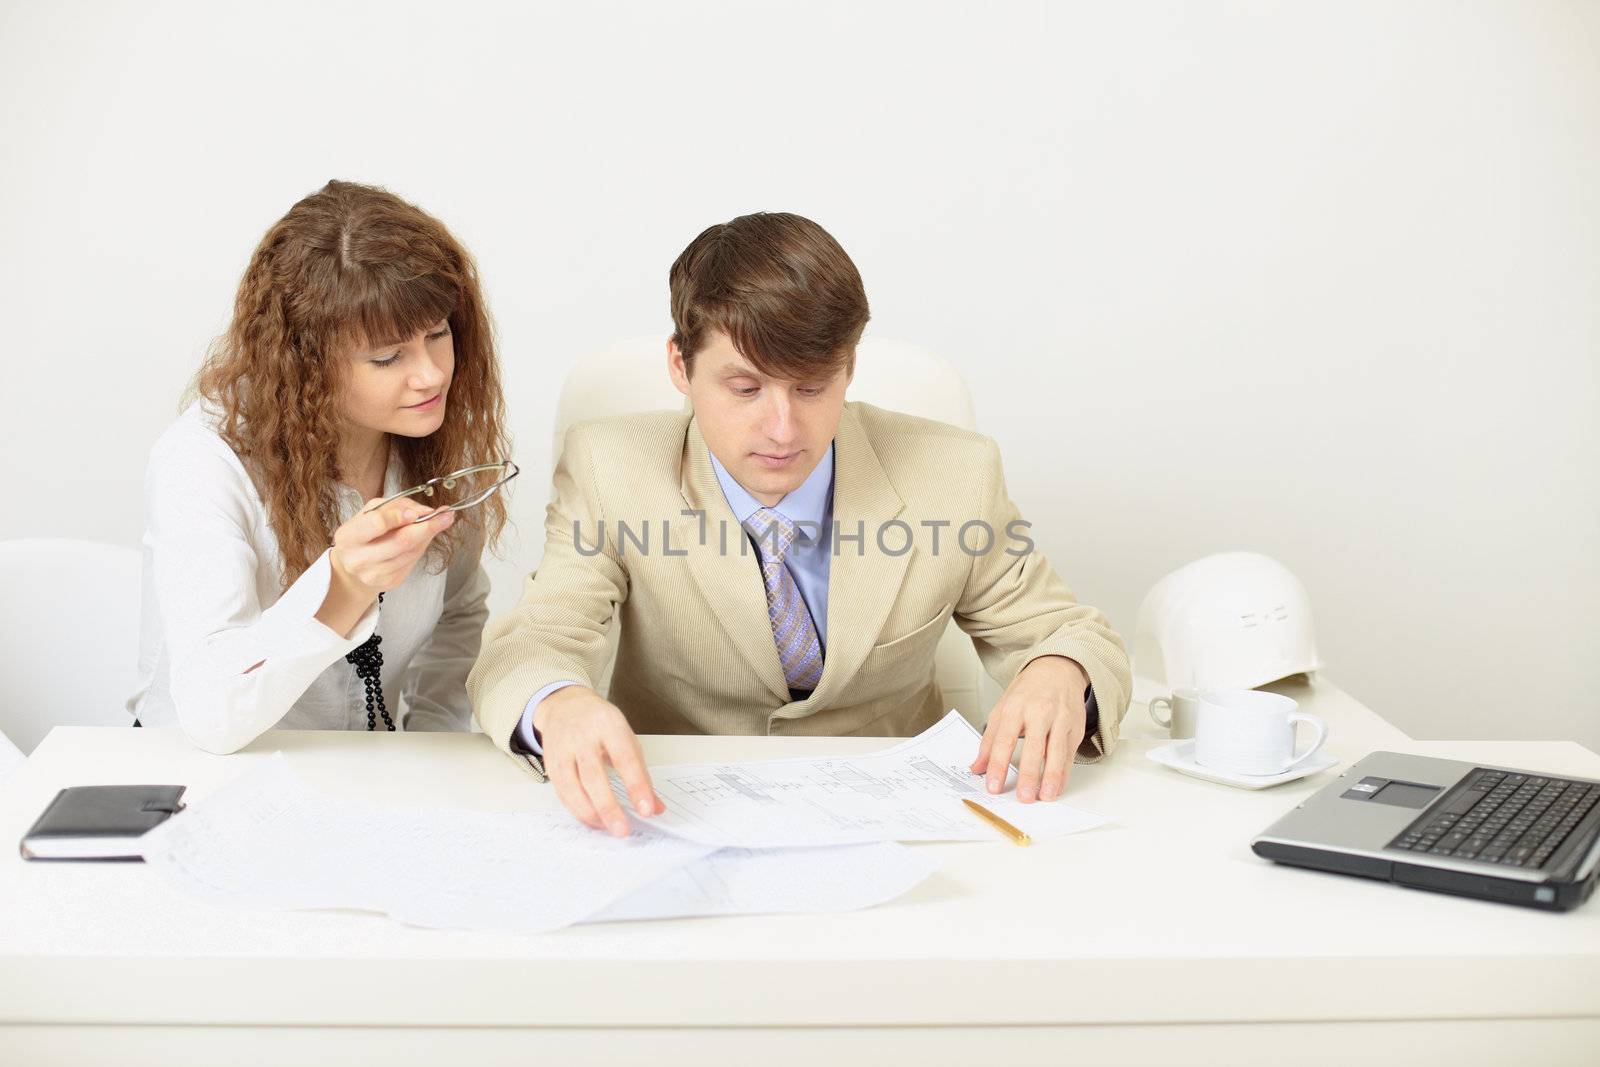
(1496,833)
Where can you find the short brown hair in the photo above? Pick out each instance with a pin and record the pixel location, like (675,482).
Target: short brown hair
(779,286)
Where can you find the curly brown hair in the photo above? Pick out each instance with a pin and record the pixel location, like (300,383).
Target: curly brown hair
(350,266)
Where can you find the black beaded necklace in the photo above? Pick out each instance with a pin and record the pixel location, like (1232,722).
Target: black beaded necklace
(369,667)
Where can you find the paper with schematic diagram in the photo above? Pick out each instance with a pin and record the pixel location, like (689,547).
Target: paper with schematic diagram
(910,792)
(268,841)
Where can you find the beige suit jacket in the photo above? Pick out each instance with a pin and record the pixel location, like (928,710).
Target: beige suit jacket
(696,653)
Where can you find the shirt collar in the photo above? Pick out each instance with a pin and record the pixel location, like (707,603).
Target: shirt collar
(350,500)
(807,503)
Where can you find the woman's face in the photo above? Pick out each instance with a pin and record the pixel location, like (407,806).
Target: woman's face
(403,388)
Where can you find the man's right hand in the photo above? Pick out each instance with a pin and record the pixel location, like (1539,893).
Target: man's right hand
(581,732)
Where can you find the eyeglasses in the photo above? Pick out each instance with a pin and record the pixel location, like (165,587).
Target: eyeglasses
(481,482)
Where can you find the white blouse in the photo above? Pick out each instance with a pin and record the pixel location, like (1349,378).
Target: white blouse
(214,606)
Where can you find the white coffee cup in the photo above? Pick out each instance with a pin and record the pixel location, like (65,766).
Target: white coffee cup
(1246,731)
(1183,709)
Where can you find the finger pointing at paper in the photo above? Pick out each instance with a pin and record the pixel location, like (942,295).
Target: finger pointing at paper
(583,734)
(1044,706)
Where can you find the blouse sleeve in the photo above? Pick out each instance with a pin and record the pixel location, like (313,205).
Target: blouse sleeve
(436,683)
(236,667)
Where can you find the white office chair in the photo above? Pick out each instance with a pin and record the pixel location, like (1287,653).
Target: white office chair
(70,630)
(11,757)
(632,376)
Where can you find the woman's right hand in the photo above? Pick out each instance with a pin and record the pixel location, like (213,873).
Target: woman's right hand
(376,549)
(373,553)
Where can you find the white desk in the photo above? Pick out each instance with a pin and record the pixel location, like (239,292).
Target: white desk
(1159,939)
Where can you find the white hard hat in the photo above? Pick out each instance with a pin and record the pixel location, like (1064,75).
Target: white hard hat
(1234,620)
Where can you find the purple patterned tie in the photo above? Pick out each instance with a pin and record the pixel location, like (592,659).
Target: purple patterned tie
(792,629)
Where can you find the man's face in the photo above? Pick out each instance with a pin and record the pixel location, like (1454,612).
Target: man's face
(769,432)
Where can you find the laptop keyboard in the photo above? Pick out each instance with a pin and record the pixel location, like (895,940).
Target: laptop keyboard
(1500,817)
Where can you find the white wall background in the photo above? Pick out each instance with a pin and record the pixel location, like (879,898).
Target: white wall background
(1319,280)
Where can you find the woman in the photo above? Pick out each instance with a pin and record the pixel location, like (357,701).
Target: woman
(359,362)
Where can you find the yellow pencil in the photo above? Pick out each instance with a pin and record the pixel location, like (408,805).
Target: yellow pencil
(1016,836)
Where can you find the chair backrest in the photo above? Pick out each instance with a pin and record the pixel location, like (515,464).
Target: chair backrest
(631,376)
(11,757)
(70,630)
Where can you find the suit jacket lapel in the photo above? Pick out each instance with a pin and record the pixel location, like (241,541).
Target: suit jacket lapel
(727,572)
(862,585)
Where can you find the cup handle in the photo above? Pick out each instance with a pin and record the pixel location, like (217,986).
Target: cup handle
(1322,735)
(1163,723)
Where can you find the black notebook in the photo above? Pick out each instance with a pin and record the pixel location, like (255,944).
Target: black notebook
(99,822)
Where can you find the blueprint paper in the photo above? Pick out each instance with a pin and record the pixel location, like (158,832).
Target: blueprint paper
(911,792)
(268,841)
(737,881)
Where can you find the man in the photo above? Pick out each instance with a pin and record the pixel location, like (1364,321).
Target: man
(806,556)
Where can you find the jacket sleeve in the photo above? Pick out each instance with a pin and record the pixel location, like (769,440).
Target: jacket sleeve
(1016,609)
(236,666)
(558,630)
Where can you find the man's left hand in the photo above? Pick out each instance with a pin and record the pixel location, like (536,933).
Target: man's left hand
(1044,706)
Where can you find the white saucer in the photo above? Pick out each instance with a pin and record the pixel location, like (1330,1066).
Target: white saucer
(1179,755)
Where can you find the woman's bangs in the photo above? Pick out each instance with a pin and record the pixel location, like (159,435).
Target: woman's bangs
(396,310)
